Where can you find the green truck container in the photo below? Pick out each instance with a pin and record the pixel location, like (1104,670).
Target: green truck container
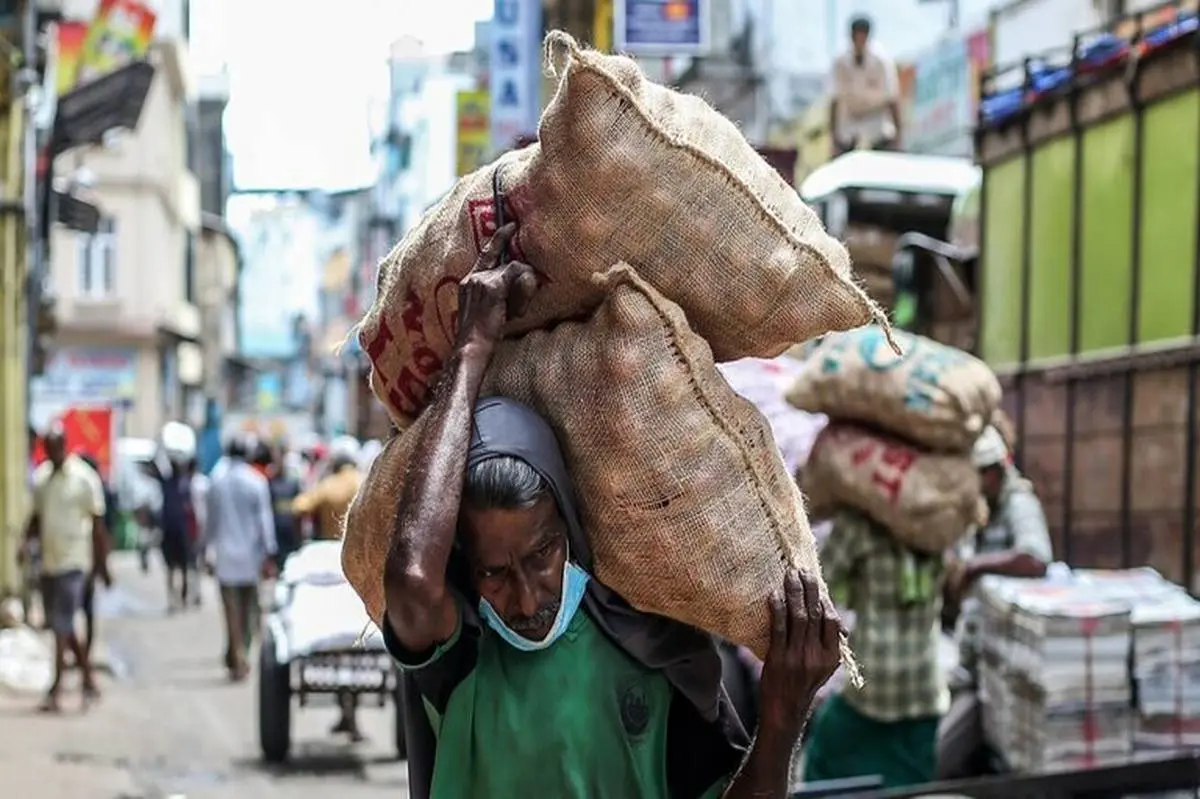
(1089,285)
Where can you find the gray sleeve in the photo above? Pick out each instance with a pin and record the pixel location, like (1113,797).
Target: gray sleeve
(266,516)
(1027,522)
(211,514)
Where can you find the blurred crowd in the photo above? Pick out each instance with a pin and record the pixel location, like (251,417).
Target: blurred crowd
(238,523)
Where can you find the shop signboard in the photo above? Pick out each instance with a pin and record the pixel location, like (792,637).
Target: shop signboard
(88,374)
(945,96)
(474,135)
(662,28)
(515,63)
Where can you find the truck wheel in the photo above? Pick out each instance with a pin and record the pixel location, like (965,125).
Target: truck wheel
(401,735)
(274,703)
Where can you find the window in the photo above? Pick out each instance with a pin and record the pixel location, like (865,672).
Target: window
(97,259)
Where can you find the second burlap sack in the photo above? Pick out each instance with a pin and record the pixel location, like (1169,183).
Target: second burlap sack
(688,506)
(927,501)
(625,170)
(937,396)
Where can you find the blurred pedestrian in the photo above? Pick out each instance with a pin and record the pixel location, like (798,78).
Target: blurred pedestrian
(328,500)
(197,508)
(285,488)
(239,530)
(177,448)
(68,524)
(864,112)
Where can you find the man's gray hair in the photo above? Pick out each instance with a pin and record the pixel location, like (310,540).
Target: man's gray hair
(504,483)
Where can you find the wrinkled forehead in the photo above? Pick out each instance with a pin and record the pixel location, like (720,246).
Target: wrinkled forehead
(498,533)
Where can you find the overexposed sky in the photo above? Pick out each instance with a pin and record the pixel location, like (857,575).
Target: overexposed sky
(303,78)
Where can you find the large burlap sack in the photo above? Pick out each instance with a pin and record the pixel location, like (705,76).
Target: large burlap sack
(690,511)
(625,170)
(937,396)
(928,501)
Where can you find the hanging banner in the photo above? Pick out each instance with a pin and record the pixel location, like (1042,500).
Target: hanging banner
(474,135)
(119,34)
(88,431)
(662,28)
(515,62)
(67,54)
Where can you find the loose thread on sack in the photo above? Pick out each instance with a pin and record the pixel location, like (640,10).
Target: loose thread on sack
(853,675)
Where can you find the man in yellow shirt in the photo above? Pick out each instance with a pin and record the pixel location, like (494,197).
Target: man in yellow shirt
(328,501)
(68,523)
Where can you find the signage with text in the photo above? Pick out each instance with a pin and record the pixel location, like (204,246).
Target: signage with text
(515,80)
(662,27)
(474,134)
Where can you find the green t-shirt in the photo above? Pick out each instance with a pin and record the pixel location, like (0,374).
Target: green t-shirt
(577,719)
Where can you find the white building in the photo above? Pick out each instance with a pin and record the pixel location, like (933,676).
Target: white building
(281,270)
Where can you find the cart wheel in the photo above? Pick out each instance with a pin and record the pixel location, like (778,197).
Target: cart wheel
(401,736)
(274,703)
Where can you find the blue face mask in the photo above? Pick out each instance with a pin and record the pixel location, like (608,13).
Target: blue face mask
(574,585)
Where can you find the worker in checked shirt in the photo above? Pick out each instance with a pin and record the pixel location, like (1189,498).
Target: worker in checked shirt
(888,726)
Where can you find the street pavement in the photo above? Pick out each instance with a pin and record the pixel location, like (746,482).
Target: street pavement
(171,726)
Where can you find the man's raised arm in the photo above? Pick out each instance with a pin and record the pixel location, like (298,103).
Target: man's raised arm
(420,608)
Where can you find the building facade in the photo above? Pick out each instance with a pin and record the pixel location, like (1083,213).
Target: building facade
(126,304)
(218,264)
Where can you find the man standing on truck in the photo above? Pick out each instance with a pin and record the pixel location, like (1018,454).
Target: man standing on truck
(522,674)
(865,109)
(1014,543)
(888,727)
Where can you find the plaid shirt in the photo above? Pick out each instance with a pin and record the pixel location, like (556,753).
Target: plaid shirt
(896,595)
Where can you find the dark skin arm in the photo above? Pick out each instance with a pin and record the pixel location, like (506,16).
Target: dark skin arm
(420,607)
(101,546)
(803,654)
(833,129)
(1007,564)
(33,532)
(1012,563)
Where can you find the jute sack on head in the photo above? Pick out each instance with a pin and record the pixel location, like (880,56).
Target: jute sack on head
(624,170)
(690,511)
(928,501)
(937,396)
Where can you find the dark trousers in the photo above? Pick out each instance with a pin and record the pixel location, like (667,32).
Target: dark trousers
(240,603)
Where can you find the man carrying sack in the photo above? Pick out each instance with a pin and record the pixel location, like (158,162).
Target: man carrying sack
(522,674)
(888,726)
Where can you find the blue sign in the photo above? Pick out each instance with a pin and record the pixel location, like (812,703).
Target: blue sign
(662,27)
(515,79)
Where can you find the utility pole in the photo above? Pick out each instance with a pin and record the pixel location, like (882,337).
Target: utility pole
(19,261)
